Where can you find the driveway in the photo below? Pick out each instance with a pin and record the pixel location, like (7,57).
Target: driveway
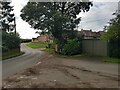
(18,64)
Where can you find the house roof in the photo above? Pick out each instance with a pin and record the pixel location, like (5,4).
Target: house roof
(33,38)
(89,33)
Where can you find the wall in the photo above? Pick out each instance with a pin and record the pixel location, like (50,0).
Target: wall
(11,51)
(43,38)
(35,40)
(94,47)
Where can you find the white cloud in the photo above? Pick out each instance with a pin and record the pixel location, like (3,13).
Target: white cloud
(99,11)
(98,16)
(105,0)
(24,29)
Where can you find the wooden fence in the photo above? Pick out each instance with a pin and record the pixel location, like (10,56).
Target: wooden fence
(95,47)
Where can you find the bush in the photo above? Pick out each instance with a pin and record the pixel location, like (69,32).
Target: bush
(72,47)
(10,40)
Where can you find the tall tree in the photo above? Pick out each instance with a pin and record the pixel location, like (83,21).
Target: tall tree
(54,17)
(7,17)
(112,35)
(113,30)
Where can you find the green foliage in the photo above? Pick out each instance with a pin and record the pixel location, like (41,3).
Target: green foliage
(7,17)
(4,49)
(113,37)
(57,18)
(72,47)
(10,41)
(53,45)
(113,30)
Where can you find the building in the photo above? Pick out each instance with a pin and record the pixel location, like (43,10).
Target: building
(41,38)
(88,34)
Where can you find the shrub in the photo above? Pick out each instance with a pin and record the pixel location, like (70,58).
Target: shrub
(53,45)
(72,47)
(10,40)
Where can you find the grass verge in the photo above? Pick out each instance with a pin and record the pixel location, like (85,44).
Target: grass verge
(11,55)
(111,60)
(49,50)
(35,46)
(92,58)
(40,42)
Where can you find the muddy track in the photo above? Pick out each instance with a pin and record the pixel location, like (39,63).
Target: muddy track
(66,76)
(85,70)
(65,69)
(67,73)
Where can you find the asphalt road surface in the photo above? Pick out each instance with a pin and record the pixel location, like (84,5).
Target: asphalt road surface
(18,64)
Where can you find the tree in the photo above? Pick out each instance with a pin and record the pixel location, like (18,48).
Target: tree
(41,32)
(10,40)
(113,30)
(54,17)
(113,36)
(7,17)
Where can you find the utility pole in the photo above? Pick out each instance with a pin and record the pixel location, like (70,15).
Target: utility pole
(119,7)
(15,24)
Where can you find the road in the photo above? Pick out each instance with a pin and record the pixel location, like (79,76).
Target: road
(50,71)
(18,64)
(32,56)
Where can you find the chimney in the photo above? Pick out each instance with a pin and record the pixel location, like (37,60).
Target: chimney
(81,29)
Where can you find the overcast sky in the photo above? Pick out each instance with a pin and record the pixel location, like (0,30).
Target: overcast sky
(95,19)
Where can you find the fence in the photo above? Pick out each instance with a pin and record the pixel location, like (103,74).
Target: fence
(11,51)
(95,47)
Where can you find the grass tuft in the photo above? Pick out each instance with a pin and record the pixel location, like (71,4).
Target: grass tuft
(49,50)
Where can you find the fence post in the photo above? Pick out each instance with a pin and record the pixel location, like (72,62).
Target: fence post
(92,47)
(107,48)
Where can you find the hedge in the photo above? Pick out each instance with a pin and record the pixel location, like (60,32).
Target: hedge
(72,47)
(10,41)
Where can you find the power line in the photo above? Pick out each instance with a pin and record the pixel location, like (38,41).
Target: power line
(93,20)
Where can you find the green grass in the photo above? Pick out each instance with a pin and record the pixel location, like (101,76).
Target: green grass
(49,50)
(11,55)
(40,42)
(92,58)
(35,45)
(111,60)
